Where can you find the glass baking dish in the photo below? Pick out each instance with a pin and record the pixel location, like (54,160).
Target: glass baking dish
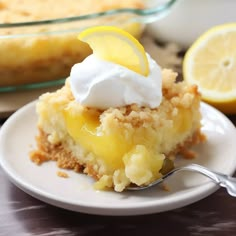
(39,54)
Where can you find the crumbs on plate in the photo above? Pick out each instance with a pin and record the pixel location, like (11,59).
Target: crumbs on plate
(62,174)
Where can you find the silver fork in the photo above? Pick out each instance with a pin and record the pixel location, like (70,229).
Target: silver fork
(222,180)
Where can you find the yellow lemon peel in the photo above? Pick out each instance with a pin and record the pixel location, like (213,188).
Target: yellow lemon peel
(118,46)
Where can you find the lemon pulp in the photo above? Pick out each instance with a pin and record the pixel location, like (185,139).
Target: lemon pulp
(211,64)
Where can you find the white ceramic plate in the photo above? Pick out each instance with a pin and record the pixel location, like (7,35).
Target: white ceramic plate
(76,192)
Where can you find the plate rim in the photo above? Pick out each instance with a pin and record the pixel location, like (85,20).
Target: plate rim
(198,192)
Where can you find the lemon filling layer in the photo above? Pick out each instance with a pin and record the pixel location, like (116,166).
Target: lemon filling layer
(116,148)
(137,153)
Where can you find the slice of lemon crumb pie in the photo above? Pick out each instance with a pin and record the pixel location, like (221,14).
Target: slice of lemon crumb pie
(118,116)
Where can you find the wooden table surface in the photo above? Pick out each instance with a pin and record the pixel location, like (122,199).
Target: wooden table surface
(22,215)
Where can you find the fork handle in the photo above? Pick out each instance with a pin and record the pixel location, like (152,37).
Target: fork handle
(225,181)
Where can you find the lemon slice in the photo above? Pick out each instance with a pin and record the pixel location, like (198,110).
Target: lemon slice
(116,45)
(211,64)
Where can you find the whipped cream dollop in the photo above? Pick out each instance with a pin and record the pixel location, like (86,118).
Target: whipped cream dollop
(103,84)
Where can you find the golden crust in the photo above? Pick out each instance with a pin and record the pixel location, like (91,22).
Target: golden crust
(55,152)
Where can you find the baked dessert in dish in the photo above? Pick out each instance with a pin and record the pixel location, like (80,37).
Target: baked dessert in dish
(115,124)
(45,52)
(25,10)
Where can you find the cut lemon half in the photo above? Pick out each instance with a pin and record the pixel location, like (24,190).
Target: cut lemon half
(211,64)
(118,46)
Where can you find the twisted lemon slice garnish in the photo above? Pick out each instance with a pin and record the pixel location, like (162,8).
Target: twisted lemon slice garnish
(115,45)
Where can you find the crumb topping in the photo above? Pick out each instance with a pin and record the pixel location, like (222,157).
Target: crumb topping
(175,96)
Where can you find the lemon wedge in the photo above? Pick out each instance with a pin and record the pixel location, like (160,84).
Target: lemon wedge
(116,45)
(211,64)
